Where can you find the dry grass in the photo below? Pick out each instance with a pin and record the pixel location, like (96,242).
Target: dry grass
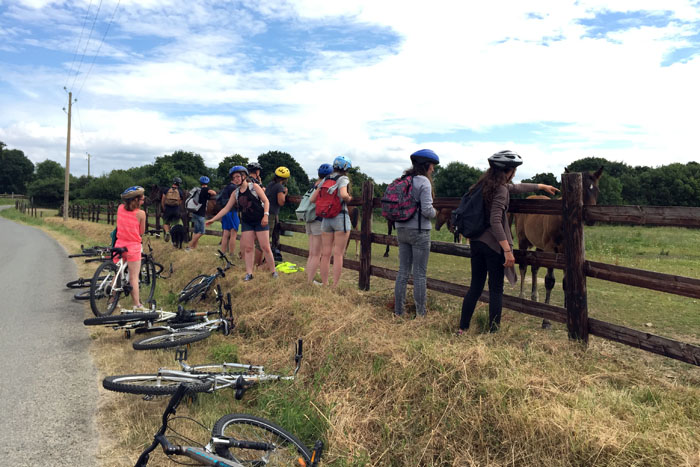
(386,392)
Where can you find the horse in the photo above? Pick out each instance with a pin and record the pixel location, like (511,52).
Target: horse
(354,214)
(444,216)
(545,233)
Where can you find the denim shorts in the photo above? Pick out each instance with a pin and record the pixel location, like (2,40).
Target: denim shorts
(230,221)
(313,228)
(339,223)
(198,222)
(257,227)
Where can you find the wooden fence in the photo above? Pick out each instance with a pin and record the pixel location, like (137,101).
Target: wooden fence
(573,262)
(13,196)
(25,206)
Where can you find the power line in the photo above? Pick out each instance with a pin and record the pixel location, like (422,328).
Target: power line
(87,43)
(77,47)
(99,48)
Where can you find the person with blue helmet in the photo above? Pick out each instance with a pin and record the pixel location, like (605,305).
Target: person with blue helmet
(335,231)
(313,229)
(198,217)
(131,224)
(230,221)
(414,234)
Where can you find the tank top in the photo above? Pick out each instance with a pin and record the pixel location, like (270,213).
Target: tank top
(128,228)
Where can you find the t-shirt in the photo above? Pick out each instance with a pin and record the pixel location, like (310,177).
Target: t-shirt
(203,198)
(342,181)
(273,188)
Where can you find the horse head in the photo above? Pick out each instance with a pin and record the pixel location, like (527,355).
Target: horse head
(153,195)
(590,188)
(444,217)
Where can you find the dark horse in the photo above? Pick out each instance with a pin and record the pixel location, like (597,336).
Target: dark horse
(545,233)
(444,217)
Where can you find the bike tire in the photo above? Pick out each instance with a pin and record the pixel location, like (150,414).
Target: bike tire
(158,327)
(103,300)
(174,339)
(244,427)
(121,319)
(192,288)
(84,295)
(153,385)
(147,281)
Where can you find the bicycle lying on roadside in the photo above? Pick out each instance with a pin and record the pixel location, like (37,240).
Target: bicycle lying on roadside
(237,440)
(198,287)
(200,378)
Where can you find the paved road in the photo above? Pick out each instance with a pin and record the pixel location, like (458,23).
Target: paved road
(48,385)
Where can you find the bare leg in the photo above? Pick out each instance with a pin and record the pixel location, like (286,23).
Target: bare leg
(225,241)
(264,241)
(340,239)
(248,247)
(134,269)
(326,251)
(314,257)
(195,240)
(233,234)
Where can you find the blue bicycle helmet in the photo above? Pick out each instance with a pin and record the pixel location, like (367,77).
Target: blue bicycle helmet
(204,180)
(425,155)
(132,192)
(342,163)
(325,170)
(237,168)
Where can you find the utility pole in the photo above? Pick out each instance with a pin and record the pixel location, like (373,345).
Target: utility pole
(66,187)
(88,154)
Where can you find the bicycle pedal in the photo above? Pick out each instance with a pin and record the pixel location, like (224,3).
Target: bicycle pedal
(181,354)
(127,334)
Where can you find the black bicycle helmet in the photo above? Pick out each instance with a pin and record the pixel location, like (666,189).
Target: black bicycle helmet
(254,166)
(425,155)
(177,181)
(505,160)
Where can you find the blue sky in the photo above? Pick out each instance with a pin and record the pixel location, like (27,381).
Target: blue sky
(372,80)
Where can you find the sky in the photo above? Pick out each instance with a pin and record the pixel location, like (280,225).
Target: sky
(373,80)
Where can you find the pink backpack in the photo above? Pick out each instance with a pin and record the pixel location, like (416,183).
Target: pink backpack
(398,203)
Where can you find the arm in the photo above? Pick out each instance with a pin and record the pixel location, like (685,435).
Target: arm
(344,195)
(225,210)
(142,221)
(314,195)
(282,197)
(426,200)
(265,201)
(498,209)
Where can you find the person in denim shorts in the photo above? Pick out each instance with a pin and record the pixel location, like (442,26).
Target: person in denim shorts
(198,217)
(335,231)
(313,230)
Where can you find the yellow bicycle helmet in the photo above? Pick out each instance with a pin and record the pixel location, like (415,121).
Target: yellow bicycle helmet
(282,172)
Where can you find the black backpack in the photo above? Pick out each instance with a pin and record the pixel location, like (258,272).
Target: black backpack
(249,205)
(470,218)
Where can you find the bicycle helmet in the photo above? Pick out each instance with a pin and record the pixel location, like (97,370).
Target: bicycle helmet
(325,170)
(505,160)
(254,166)
(342,163)
(425,155)
(177,181)
(238,168)
(133,192)
(204,180)
(282,172)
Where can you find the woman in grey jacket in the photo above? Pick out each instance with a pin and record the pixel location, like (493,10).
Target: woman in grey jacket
(492,251)
(414,234)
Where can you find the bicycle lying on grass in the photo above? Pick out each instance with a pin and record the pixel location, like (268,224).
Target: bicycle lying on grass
(200,378)
(237,440)
(198,287)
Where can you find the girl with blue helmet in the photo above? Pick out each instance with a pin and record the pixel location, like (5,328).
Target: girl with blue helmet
(131,224)
(335,231)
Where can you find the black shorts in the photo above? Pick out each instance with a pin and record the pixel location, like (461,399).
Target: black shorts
(171,214)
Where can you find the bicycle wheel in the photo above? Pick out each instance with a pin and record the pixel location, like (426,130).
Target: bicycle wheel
(121,319)
(147,281)
(288,449)
(84,295)
(103,298)
(193,288)
(78,283)
(174,339)
(153,385)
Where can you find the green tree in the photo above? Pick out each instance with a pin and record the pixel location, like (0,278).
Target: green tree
(455,179)
(225,165)
(49,169)
(273,159)
(186,165)
(46,192)
(16,170)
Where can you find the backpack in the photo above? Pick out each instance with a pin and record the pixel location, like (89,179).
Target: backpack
(328,204)
(470,218)
(225,194)
(172,197)
(398,203)
(306,212)
(249,205)
(192,202)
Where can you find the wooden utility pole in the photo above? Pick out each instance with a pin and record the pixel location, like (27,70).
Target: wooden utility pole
(66,187)
(88,154)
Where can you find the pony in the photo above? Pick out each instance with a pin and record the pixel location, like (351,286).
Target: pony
(545,233)
(354,214)
(444,217)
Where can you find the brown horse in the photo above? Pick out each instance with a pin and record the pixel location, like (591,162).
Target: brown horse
(545,233)
(444,217)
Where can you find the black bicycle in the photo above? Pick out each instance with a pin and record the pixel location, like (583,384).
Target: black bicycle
(237,440)
(197,288)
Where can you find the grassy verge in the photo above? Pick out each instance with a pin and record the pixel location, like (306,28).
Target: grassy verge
(387,392)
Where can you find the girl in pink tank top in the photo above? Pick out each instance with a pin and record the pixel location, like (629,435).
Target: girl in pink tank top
(131,224)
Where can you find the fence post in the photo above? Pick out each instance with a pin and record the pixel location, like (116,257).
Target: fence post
(366,235)
(574,250)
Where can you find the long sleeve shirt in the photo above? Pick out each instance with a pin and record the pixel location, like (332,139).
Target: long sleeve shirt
(422,194)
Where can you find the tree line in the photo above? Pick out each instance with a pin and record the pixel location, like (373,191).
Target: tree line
(668,185)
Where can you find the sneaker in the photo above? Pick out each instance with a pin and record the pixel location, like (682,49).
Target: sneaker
(315,282)
(167,237)
(459,333)
(188,249)
(275,275)
(248,277)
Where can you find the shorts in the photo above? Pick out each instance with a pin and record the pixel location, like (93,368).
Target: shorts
(257,227)
(339,223)
(198,222)
(230,221)
(133,252)
(313,228)
(171,214)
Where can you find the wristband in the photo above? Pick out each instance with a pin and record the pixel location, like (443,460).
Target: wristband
(507,251)
(266,213)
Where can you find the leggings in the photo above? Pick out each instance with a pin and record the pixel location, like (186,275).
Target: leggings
(484,260)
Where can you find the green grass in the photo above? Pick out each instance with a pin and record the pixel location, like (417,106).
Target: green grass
(14,215)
